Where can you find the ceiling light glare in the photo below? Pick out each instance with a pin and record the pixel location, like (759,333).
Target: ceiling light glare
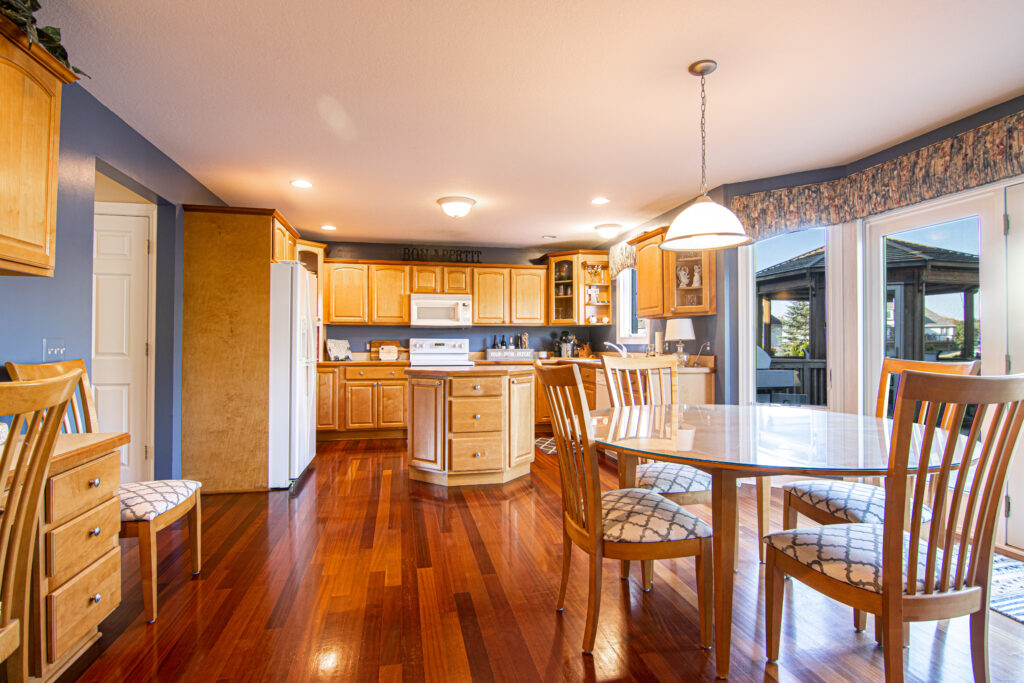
(302,183)
(327,227)
(599,200)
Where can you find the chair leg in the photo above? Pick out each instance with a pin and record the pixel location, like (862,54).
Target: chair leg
(788,513)
(147,566)
(566,561)
(774,591)
(647,570)
(764,513)
(892,645)
(593,603)
(979,642)
(195,535)
(705,593)
(860,620)
(624,570)
(736,547)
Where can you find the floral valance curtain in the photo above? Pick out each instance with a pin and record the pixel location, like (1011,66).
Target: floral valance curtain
(620,257)
(991,152)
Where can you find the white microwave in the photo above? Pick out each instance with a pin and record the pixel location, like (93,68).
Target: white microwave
(440,310)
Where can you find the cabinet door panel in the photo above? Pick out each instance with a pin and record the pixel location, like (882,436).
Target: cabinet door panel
(360,407)
(529,290)
(491,294)
(391,404)
(389,293)
(540,403)
(426,424)
(649,278)
(521,420)
(327,398)
(348,294)
(457,280)
(426,279)
(690,283)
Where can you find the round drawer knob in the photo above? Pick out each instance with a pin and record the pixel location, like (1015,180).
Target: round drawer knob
(95,531)
(437,384)
(96,598)
(361,372)
(476,387)
(513,381)
(477,416)
(93,483)
(476,455)
(392,372)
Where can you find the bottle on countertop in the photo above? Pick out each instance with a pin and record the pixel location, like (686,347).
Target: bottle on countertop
(503,344)
(495,344)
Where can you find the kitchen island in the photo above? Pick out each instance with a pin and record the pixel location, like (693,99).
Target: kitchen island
(470,425)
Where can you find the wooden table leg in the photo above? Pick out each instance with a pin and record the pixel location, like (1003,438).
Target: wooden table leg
(723,521)
(626,463)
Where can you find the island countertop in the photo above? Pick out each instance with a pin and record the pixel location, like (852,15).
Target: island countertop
(440,372)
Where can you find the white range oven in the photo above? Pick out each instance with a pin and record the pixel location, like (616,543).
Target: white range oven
(439,352)
(440,310)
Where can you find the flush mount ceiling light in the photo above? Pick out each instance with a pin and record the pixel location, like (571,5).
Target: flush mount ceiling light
(456,207)
(704,224)
(608,230)
(599,200)
(327,227)
(549,237)
(302,183)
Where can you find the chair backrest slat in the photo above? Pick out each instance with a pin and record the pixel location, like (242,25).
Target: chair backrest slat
(640,381)
(892,367)
(81,413)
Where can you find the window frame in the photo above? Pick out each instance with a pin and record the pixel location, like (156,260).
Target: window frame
(625,311)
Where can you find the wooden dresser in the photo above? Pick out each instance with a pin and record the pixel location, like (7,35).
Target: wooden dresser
(77,575)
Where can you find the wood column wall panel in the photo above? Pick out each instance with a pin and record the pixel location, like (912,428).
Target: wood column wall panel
(521,420)
(327,398)
(456,280)
(389,294)
(426,279)
(30,90)
(529,292)
(225,350)
(348,294)
(426,424)
(491,294)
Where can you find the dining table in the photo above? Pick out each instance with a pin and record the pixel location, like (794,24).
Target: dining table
(731,442)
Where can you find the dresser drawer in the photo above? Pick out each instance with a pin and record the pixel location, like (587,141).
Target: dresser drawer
(476,386)
(80,542)
(476,453)
(475,414)
(384,372)
(77,607)
(75,491)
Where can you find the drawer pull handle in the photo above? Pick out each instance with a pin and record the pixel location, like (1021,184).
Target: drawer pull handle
(96,598)
(95,531)
(476,455)
(94,483)
(476,387)
(477,416)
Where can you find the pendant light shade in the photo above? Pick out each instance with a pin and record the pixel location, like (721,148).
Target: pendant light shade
(704,224)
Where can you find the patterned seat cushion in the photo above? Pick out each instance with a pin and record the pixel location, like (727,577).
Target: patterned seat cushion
(667,477)
(143,501)
(849,500)
(642,516)
(851,553)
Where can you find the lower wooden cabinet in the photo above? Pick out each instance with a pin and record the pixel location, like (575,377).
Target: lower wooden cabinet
(390,399)
(360,406)
(426,424)
(327,398)
(521,420)
(361,397)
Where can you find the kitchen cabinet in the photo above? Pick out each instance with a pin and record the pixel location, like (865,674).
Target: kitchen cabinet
(426,424)
(30,92)
(389,294)
(348,294)
(391,395)
(285,239)
(528,290)
(457,280)
(426,280)
(491,296)
(521,419)
(665,279)
(327,398)
(360,405)
(541,414)
(650,278)
(579,288)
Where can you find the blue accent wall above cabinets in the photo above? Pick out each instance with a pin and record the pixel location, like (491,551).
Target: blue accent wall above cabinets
(91,137)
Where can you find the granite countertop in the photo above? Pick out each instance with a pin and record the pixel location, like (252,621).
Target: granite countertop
(583,362)
(469,370)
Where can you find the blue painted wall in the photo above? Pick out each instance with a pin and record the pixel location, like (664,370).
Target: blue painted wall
(92,137)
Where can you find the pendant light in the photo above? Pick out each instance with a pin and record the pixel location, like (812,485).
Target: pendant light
(705,224)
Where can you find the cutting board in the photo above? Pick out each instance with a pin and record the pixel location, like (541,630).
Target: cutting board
(375,345)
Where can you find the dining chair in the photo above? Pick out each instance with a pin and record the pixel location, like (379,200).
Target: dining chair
(35,410)
(901,570)
(146,506)
(623,524)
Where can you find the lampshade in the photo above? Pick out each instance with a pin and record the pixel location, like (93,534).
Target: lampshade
(705,224)
(679,329)
(456,207)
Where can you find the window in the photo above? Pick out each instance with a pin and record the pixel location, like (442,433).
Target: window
(629,328)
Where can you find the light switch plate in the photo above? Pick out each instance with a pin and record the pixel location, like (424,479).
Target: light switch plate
(53,349)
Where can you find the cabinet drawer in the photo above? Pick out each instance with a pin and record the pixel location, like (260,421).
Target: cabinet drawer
(476,386)
(475,414)
(75,491)
(476,453)
(78,543)
(385,372)
(72,611)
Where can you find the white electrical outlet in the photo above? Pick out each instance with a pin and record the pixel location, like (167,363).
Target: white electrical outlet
(53,349)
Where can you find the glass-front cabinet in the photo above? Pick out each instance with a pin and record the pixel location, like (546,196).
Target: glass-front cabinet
(690,283)
(579,288)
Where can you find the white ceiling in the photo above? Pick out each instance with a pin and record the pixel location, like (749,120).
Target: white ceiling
(533,107)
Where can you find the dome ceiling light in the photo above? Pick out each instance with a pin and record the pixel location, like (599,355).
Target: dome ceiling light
(704,224)
(456,207)
(607,231)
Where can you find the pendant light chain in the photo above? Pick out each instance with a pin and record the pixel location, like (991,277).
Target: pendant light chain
(703,141)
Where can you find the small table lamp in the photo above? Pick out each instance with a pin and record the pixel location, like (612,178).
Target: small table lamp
(680,330)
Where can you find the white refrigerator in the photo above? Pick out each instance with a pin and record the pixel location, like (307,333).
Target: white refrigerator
(293,356)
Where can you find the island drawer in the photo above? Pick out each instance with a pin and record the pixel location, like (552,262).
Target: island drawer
(366,372)
(476,453)
(77,607)
(476,414)
(76,544)
(82,488)
(476,386)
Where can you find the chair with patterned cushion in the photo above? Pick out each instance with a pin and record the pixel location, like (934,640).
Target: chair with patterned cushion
(146,506)
(623,524)
(902,570)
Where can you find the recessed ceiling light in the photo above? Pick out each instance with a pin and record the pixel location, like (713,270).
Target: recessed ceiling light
(456,207)
(608,230)
(549,237)
(599,200)
(327,227)
(304,184)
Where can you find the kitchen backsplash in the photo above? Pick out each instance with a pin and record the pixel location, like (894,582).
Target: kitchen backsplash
(480,338)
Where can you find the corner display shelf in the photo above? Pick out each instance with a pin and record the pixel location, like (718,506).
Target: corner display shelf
(579,288)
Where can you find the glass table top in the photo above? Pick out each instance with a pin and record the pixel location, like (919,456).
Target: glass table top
(757,438)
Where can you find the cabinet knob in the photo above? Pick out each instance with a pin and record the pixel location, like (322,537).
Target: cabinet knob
(513,381)
(392,372)
(93,483)
(476,387)
(361,372)
(95,531)
(476,455)
(437,384)
(96,598)
(477,416)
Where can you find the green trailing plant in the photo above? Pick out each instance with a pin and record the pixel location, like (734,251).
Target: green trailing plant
(22,13)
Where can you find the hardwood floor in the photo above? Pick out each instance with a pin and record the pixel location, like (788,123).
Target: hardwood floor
(361,574)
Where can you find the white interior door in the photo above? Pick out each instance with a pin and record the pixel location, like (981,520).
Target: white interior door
(1015,350)
(121,330)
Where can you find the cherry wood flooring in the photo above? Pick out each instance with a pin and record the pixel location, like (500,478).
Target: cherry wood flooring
(361,574)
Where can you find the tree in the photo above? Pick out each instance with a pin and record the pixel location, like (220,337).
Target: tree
(796,329)
(958,336)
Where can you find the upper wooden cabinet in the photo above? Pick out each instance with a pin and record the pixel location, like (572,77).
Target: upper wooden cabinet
(491,296)
(30,87)
(285,239)
(672,284)
(579,288)
(529,288)
(347,298)
(457,280)
(389,294)
(426,280)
